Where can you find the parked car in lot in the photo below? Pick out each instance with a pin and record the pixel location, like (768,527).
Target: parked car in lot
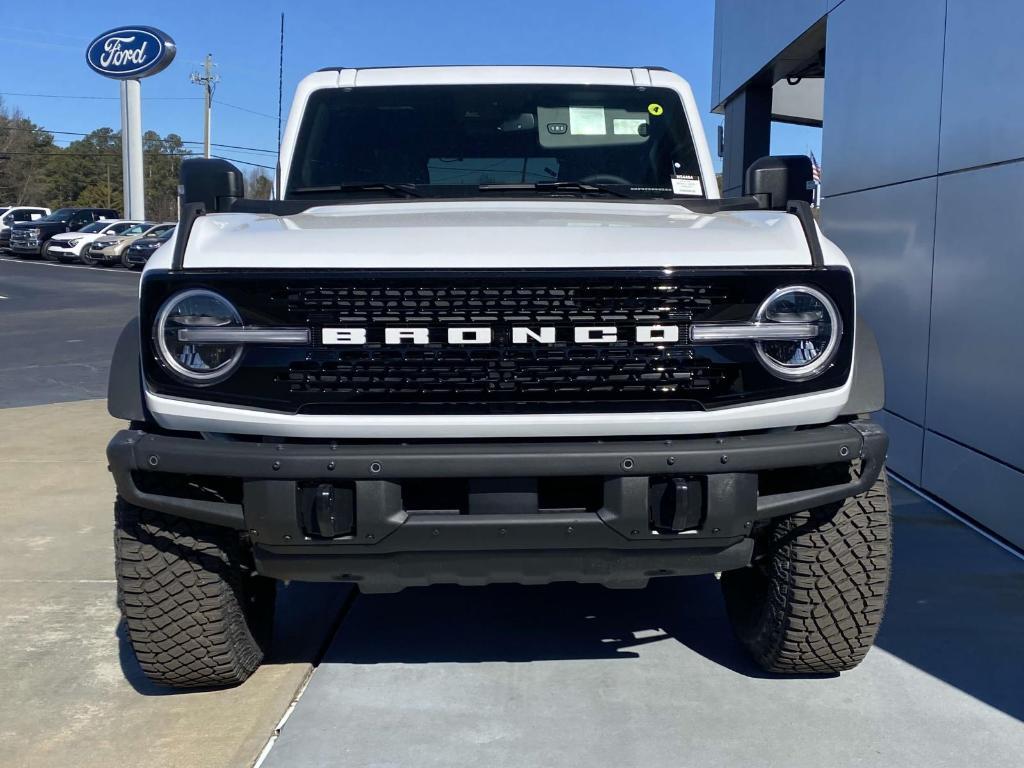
(138,253)
(108,250)
(15,214)
(68,247)
(30,238)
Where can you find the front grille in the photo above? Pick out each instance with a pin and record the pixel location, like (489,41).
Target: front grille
(500,376)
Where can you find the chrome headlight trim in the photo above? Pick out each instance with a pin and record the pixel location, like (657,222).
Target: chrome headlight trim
(167,357)
(821,363)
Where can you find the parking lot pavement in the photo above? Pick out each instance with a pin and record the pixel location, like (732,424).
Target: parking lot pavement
(58,327)
(70,691)
(572,675)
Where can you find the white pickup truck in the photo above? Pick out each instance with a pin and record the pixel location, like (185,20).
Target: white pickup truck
(497,326)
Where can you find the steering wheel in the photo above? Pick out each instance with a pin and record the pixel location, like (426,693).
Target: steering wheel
(605,178)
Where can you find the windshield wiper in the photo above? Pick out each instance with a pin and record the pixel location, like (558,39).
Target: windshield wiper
(397,190)
(555,186)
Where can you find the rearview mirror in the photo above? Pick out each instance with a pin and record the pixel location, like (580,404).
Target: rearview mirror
(777,179)
(217,184)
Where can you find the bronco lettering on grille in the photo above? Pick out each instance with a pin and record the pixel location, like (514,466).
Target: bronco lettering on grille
(477,334)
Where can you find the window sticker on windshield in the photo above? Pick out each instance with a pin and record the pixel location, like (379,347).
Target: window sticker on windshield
(587,121)
(687,185)
(628,126)
(655,109)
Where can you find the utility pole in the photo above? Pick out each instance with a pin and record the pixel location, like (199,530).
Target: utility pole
(208,80)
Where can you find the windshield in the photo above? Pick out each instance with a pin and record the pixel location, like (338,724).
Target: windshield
(61,215)
(165,235)
(452,139)
(96,226)
(3,211)
(136,229)
(119,228)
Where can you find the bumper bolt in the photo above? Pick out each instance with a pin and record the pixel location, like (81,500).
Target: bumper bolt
(627,464)
(370,536)
(716,530)
(435,532)
(275,466)
(725,459)
(287,537)
(375,467)
(330,466)
(154,460)
(501,531)
(569,529)
(844,451)
(634,532)
(671,460)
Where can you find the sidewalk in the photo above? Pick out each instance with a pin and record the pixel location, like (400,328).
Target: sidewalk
(72,694)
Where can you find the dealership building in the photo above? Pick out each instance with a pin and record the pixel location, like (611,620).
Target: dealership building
(921,111)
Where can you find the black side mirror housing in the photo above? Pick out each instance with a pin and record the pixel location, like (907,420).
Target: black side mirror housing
(217,184)
(777,179)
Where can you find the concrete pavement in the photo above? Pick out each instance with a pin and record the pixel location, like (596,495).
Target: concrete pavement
(72,694)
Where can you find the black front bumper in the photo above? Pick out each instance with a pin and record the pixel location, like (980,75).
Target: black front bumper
(504,530)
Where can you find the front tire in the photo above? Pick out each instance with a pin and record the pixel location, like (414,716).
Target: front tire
(813,600)
(197,615)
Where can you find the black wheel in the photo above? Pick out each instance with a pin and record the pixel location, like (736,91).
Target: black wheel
(87,258)
(124,261)
(197,615)
(813,600)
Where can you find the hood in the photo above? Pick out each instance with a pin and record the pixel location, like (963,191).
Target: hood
(65,236)
(494,234)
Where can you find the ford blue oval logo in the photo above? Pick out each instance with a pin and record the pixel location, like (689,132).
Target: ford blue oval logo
(130,52)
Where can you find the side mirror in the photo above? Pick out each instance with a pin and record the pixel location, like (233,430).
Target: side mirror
(777,179)
(217,184)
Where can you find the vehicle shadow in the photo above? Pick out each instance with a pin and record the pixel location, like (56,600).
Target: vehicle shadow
(539,623)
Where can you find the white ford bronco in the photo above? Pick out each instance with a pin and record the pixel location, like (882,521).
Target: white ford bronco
(497,325)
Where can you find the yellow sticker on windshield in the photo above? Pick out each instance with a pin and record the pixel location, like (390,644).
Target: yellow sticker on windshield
(655,109)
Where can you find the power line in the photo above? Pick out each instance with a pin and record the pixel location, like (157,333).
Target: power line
(183,141)
(244,109)
(147,98)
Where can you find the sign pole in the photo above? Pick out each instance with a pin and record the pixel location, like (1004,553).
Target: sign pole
(128,54)
(131,149)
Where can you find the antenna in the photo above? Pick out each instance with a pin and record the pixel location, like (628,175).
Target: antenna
(209,81)
(280,85)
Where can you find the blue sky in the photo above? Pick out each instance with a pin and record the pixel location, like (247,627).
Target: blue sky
(243,37)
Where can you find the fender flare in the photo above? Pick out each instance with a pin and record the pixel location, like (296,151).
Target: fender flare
(868,392)
(124,387)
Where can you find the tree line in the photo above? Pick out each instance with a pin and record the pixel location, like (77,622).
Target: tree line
(34,170)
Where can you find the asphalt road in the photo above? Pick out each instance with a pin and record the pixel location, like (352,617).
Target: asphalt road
(58,327)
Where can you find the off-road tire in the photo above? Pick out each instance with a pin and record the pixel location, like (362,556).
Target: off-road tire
(813,600)
(196,614)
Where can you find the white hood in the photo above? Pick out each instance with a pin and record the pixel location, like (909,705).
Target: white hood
(496,234)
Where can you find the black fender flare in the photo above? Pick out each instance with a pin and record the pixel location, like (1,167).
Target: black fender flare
(124,387)
(868,392)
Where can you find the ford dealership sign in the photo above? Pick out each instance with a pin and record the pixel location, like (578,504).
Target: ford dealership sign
(130,52)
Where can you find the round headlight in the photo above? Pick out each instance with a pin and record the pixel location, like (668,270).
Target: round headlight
(811,349)
(196,362)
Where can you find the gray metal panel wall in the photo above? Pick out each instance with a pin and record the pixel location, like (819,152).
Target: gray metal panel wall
(976,365)
(887,234)
(983,489)
(982,97)
(883,82)
(750,34)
